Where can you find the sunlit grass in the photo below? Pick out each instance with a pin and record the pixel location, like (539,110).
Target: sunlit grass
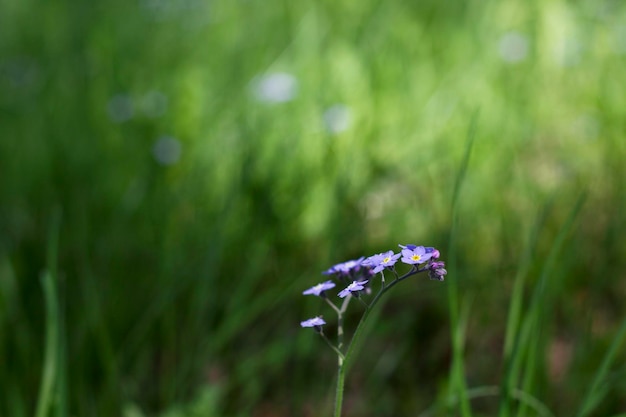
(179,268)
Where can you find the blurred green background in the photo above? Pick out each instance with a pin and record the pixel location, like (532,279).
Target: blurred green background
(210,158)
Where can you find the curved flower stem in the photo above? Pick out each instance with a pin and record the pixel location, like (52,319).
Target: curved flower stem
(333,347)
(341,371)
(330,303)
(394,272)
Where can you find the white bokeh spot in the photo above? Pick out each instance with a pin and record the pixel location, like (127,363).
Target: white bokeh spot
(167,150)
(278,87)
(513,47)
(337,118)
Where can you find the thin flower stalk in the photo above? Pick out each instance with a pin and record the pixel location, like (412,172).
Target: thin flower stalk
(360,274)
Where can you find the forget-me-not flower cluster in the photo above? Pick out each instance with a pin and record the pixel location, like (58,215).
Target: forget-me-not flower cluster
(359,274)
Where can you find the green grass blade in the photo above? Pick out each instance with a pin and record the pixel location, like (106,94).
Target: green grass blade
(515,309)
(532,363)
(492,391)
(47,386)
(61,409)
(531,328)
(469,145)
(458,385)
(596,391)
(50,377)
(530,325)
(514,317)
(532,402)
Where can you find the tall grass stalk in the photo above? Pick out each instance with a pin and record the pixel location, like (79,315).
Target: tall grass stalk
(49,377)
(530,328)
(53,387)
(515,309)
(458,387)
(598,388)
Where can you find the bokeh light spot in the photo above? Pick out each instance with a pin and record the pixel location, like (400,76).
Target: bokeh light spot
(278,87)
(337,118)
(513,47)
(167,150)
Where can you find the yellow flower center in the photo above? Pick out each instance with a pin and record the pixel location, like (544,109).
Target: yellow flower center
(387,259)
(416,257)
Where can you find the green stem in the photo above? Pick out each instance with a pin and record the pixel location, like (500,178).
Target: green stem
(333,347)
(50,369)
(341,374)
(340,356)
(341,370)
(340,312)
(51,378)
(368,310)
(330,303)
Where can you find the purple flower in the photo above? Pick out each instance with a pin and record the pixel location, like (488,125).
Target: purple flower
(433,252)
(381,261)
(436,271)
(356,286)
(319,288)
(414,255)
(344,268)
(436,265)
(316,322)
